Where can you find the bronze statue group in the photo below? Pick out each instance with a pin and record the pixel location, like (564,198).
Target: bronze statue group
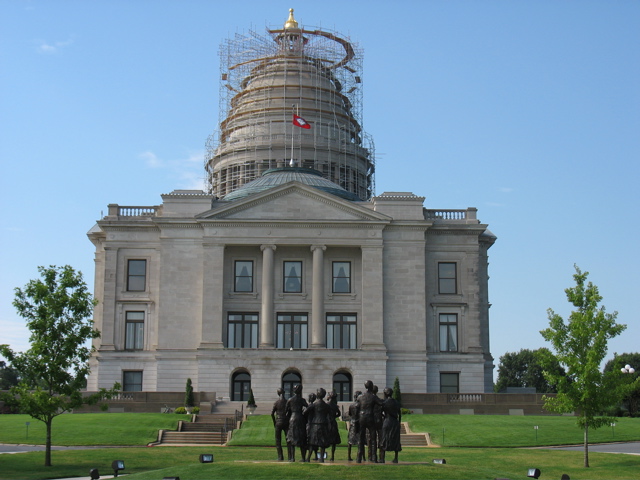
(312,426)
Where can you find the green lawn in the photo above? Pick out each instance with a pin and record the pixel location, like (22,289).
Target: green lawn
(238,462)
(90,428)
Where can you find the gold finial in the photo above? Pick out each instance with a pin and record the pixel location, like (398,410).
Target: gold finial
(291,22)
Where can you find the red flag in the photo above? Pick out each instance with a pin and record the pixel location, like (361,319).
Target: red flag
(300,122)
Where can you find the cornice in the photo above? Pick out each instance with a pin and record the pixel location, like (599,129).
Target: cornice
(292,224)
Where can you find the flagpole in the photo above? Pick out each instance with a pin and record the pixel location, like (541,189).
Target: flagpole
(292,129)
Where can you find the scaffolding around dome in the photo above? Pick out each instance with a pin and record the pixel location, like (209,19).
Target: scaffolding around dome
(266,78)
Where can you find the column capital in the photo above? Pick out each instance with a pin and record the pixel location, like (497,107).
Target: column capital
(316,247)
(266,246)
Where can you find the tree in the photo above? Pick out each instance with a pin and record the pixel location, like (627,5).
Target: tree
(188,394)
(397,394)
(8,376)
(581,345)
(56,308)
(523,369)
(632,397)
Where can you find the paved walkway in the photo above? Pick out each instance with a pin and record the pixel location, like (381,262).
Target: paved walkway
(630,448)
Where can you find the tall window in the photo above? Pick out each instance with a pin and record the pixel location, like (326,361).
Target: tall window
(341,281)
(292,277)
(243,281)
(136,275)
(449,383)
(448,332)
(447,277)
(289,380)
(134,331)
(242,330)
(132,381)
(341,331)
(342,385)
(241,386)
(292,330)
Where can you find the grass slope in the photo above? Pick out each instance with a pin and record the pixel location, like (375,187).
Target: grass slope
(89,428)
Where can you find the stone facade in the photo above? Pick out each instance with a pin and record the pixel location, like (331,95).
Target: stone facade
(185,296)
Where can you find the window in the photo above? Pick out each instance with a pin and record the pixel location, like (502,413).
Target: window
(292,330)
(449,383)
(342,385)
(243,276)
(242,330)
(136,275)
(134,331)
(292,277)
(289,380)
(447,277)
(132,381)
(448,332)
(341,331)
(241,386)
(341,281)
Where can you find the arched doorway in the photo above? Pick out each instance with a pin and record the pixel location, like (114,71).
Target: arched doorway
(240,386)
(290,378)
(343,385)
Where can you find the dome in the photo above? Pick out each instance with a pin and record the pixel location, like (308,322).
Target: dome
(279,176)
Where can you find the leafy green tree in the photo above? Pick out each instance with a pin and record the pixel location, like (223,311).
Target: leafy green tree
(632,397)
(580,345)
(523,369)
(188,394)
(56,308)
(8,376)
(251,402)
(397,394)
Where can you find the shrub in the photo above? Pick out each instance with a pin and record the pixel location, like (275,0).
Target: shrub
(195,410)
(405,411)
(181,410)
(188,394)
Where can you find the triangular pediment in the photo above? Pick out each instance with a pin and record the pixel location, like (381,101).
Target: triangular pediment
(293,201)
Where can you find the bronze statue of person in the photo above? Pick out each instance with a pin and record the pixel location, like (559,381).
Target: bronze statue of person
(366,421)
(297,433)
(312,452)
(390,439)
(377,415)
(354,433)
(334,412)
(280,423)
(316,415)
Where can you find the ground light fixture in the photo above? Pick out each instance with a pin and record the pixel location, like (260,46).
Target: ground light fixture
(565,477)
(171,478)
(439,461)
(93,473)
(117,465)
(206,458)
(533,473)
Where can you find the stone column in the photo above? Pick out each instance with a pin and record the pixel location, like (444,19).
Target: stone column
(266,315)
(372,298)
(109,314)
(317,298)
(212,295)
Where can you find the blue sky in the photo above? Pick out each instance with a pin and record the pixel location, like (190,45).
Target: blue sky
(529,111)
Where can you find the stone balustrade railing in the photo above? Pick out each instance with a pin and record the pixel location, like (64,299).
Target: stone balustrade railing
(133,211)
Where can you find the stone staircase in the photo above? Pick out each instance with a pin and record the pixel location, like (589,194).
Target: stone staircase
(210,429)
(410,439)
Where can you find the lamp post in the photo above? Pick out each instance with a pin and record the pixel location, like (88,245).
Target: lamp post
(628,369)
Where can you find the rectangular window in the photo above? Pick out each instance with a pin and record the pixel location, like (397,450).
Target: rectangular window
(242,330)
(134,331)
(136,275)
(341,277)
(448,332)
(449,383)
(292,277)
(447,279)
(292,330)
(132,381)
(341,331)
(243,276)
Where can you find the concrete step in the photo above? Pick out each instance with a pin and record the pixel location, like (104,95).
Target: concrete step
(413,440)
(215,438)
